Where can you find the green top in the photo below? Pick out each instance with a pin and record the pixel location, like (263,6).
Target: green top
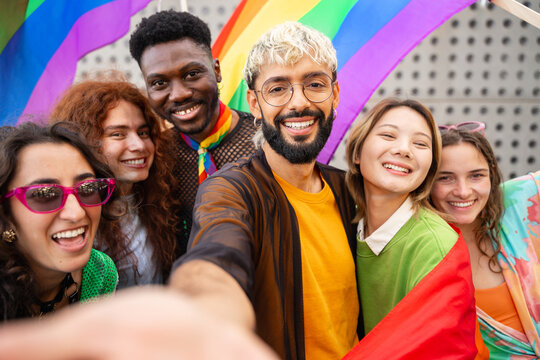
(99,276)
(412,253)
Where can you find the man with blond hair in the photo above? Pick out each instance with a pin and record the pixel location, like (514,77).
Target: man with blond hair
(272,241)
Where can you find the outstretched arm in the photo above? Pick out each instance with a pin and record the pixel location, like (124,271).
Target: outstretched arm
(216,291)
(142,323)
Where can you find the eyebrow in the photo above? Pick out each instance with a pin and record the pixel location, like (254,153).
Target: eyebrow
(181,70)
(80,177)
(416,133)
(304,77)
(469,172)
(123,127)
(115,127)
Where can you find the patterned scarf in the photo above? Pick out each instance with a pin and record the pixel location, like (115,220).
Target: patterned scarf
(206,164)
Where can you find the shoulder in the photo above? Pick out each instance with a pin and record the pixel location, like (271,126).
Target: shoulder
(521,188)
(244,116)
(242,169)
(99,275)
(430,233)
(331,174)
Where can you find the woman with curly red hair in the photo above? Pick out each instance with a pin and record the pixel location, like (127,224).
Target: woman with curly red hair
(118,122)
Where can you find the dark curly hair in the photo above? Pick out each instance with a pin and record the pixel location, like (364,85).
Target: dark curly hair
(17,281)
(166,26)
(488,229)
(87,104)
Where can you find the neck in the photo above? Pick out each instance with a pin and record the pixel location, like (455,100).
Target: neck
(199,137)
(468,232)
(125,188)
(49,285)
(302,176)
(379,208)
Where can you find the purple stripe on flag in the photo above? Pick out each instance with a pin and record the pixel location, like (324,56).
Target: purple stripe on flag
(366,69)
(91,31)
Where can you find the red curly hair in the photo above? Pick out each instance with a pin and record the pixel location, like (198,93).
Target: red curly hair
(87,104)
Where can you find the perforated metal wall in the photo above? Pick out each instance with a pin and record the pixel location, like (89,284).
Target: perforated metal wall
(483,65)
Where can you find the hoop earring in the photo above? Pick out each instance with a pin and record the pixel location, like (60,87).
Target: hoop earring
(257,122)
(335,114)
(9,235)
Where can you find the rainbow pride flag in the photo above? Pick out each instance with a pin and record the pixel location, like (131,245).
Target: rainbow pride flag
(370,36)
(435,320)
(41,42)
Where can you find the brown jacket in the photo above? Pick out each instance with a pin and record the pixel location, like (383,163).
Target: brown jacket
(244,223)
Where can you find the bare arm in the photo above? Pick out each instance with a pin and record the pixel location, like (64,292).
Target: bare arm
(136,324)
(215,291)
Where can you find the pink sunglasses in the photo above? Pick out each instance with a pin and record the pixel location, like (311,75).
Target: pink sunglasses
(469,126)
(47,198)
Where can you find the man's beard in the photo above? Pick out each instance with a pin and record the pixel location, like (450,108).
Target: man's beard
(299,152)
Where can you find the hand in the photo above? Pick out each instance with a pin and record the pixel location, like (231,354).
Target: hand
(140,323)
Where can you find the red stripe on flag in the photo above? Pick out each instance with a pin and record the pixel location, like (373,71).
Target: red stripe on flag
(226,30)
(435,320)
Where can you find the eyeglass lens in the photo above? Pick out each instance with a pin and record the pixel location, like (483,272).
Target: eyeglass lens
(47,198)
(316,89)
(468,126)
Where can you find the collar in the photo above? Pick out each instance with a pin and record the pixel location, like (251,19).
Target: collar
(378,240)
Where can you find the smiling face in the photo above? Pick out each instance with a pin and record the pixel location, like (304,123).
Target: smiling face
(126,145)
(397,153)
(181,81)
(299,129)
(463,184)
(59,242)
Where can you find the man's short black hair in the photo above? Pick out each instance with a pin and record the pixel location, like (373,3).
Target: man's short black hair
(166,26)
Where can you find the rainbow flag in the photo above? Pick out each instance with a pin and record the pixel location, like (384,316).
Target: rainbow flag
(41,42)
(370,36)
(435,320)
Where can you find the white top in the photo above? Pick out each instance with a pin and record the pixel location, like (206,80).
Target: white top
(145,272)
(382,236)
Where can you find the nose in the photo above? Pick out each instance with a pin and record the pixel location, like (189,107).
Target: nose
(298,100)
(72,210)
(179,92)
(402,147)
(462,189)
(135,143)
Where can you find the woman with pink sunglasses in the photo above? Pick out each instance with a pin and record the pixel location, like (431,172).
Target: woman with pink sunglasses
(501,226)
(53,192)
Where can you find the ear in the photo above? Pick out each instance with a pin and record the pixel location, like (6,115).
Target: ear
(335,102)
(253,104)
(217,70)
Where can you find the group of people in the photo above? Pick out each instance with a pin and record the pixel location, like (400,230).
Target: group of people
(256,250)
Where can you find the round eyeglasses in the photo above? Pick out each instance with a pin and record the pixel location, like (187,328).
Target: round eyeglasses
(47,198)
(278,92)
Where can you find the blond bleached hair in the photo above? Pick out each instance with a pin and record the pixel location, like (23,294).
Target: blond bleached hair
(286,44)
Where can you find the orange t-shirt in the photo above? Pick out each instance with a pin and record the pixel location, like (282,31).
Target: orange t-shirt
(497,303)
(328,274)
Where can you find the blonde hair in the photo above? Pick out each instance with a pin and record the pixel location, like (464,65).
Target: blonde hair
(286,44)
(359,133)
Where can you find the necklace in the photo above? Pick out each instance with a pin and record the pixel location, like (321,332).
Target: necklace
(50,306)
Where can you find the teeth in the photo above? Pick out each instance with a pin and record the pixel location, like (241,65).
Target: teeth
(298,124)
(397,168)
(461,204)
(187,111)
(134,162)
(68,234)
